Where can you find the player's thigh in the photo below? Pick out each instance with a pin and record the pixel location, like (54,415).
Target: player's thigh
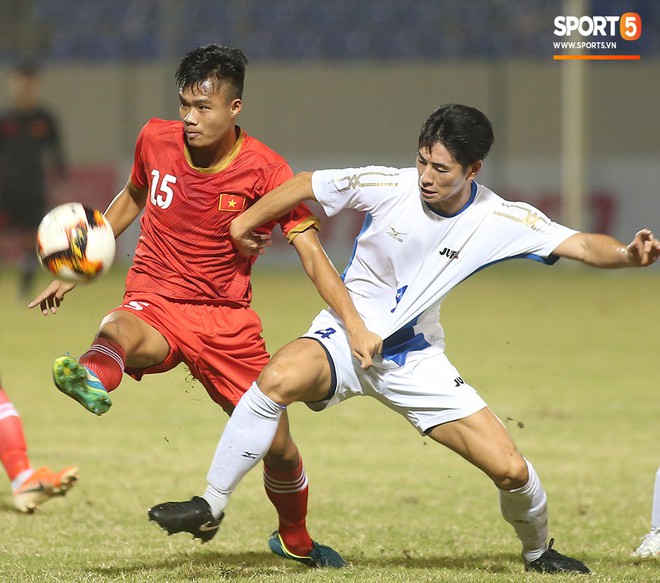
(299,371)
(483,440)
(144,345)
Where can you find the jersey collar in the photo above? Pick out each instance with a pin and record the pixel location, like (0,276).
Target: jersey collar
(226,161)
(473,194)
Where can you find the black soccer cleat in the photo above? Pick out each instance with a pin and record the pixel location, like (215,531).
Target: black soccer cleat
(193,516)
(553,562)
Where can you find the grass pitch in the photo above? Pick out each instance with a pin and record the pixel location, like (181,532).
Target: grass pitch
(568,358)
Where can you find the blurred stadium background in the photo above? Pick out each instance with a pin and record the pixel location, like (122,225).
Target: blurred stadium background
(345,82)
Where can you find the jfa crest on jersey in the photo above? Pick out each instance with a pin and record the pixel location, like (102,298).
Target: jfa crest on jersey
(184,250)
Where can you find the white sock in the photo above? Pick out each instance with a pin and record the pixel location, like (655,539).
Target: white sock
(526,510)
(246,439)
(655,513)
(17,482)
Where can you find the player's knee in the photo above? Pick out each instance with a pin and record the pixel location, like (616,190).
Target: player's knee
(113,328)
(275,381)
(512,474)
(144,346)
(298,372)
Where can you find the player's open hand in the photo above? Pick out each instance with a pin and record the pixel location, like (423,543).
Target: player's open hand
(644,249)
(51,298)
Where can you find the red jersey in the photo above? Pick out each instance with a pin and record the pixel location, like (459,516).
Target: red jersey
(184,251)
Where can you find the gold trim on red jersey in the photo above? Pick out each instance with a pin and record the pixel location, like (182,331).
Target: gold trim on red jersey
(226,161)
(309,223)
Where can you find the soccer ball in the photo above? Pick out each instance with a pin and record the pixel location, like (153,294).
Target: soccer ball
(75,243)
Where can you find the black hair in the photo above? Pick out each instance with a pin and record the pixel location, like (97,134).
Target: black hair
(464,131)
(217,63)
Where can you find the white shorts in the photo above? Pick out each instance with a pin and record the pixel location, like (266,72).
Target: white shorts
(427,390)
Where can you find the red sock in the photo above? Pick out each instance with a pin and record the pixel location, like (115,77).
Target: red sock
(13,449)
(288,491)
(106,359)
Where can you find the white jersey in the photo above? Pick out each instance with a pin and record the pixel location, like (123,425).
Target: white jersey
(408,256)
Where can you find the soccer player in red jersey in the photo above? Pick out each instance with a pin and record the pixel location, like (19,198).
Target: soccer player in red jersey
(30,487)
(188,291)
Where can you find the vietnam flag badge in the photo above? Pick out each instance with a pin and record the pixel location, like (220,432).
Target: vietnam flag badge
(231,202)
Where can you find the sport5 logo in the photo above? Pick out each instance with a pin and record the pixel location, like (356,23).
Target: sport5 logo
(161,192)
(629,25)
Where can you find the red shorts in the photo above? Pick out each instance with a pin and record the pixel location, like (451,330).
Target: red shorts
(221,345)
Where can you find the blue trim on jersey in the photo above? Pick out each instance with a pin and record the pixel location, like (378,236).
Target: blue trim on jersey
(473,194)
(550,260)
(368,219)
(397,346)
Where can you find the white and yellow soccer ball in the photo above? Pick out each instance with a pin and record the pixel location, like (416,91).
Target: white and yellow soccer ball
(75,243)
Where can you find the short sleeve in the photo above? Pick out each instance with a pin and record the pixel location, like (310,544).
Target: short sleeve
(138,175)
(358,188)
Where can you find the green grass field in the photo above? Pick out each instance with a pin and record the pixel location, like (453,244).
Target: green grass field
(568,358)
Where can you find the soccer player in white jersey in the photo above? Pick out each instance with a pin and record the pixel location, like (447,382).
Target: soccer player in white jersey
(426,230)
(650,545)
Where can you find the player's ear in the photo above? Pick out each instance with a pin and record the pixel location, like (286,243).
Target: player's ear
(235,107)
(474,170)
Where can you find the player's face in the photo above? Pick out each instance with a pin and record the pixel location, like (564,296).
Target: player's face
(443,183)
(208,113)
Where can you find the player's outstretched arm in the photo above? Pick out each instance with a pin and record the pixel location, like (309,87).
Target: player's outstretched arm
(276,203)
(52,297)
(607,252)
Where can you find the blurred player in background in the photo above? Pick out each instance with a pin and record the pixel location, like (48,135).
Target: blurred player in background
(30,152)
(426,229)
(188,291)
(650,546)
(30,487)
